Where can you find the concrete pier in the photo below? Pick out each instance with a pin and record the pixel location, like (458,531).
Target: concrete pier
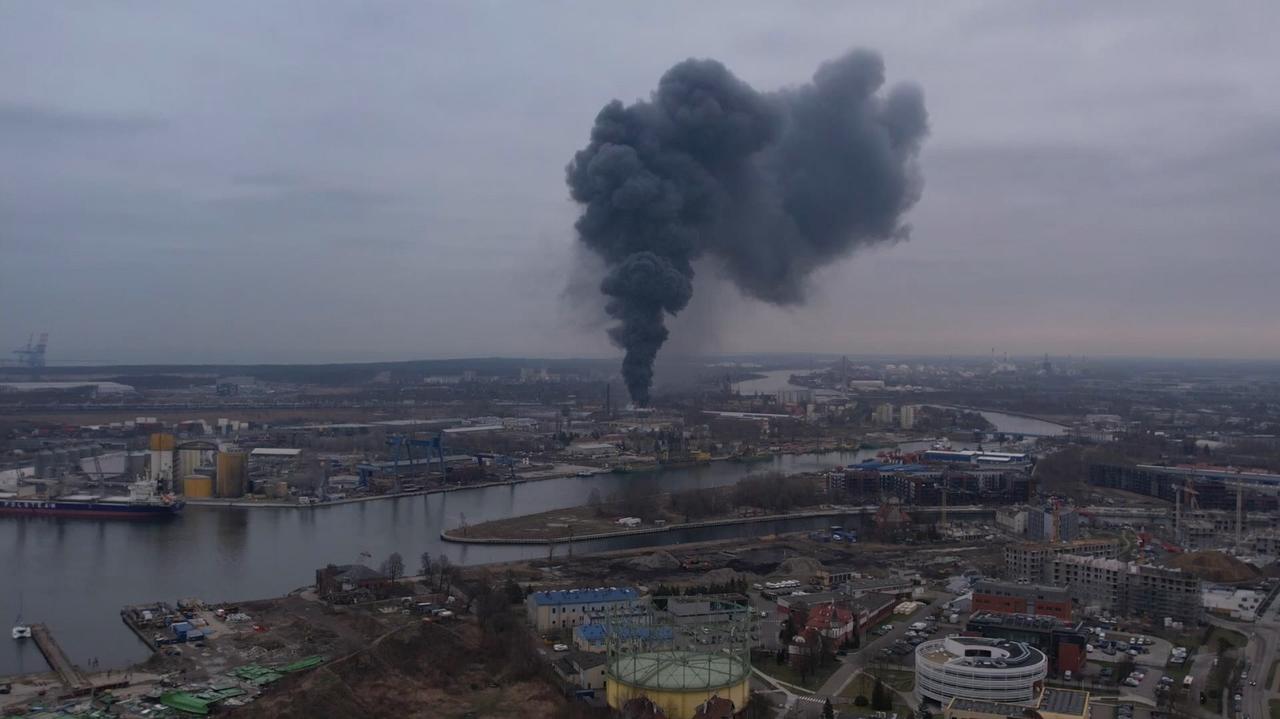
(58,660)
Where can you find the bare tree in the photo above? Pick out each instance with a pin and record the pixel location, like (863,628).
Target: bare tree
(445,569)
(394,566)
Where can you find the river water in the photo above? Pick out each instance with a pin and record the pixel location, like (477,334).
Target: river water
(774,381)
(76,574)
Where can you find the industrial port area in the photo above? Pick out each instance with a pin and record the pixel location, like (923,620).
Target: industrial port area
(974,538)
(581,360)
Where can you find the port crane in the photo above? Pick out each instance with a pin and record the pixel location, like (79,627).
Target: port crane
(402,445)
(33,354)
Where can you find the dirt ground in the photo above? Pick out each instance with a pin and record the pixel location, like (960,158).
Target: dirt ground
(425,671)
(752,560)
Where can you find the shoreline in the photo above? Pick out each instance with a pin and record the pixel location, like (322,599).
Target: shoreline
(276,504)
(1021,415)
(270,504)
(870,510)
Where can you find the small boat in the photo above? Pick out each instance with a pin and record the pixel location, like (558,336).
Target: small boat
(20,630)
(584,473)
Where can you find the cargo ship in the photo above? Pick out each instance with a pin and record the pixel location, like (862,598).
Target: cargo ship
(142,502)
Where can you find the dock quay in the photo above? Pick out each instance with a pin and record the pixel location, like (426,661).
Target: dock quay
(58,660)
(149,620)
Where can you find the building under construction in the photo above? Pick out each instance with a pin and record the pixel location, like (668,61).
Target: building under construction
(923,485)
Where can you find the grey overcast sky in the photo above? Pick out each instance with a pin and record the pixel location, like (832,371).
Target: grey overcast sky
(322,181)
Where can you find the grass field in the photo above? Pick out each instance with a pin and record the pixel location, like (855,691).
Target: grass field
(790,675)
(1232,637)
(863,683)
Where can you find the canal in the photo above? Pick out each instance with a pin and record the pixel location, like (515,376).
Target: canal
(76,574)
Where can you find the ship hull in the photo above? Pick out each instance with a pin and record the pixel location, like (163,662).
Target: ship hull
(88,510)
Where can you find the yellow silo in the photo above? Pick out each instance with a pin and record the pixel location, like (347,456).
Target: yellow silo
(233,474)
(197,486)
(161,442)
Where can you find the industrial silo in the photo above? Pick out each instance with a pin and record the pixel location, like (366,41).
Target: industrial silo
(233,473)
(161,461)
(189,460)
(197,486)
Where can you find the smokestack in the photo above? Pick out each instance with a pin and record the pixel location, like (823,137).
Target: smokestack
(770,186)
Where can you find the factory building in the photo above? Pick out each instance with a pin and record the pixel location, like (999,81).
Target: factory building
(972,456)
(1011,598)
(1065,644)
(565,608)
(707,611)
(994,670)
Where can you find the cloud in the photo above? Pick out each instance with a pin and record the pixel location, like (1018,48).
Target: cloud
(28,120)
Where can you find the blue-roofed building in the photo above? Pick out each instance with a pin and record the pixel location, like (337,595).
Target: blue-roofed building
(566,608)
(591,637)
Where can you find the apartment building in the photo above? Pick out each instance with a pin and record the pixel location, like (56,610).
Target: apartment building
(1130,589)
(1031,561)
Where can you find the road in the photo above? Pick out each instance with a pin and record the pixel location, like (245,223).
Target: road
(1260,653)
(871,650)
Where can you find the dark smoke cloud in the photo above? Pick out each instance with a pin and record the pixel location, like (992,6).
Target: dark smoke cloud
(771,185)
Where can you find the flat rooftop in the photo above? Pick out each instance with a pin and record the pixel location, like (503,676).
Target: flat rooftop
(1001,653)
(1064,701)
(1020,621)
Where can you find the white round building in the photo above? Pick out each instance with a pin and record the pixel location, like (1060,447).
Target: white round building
(994,670)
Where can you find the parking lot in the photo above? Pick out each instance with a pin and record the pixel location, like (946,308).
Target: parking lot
(1118,646)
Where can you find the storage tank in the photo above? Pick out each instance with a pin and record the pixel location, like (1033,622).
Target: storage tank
(189,460)
(161,441)
(233,473)
(197,486)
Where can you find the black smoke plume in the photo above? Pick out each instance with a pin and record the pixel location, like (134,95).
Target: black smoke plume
(769,185)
